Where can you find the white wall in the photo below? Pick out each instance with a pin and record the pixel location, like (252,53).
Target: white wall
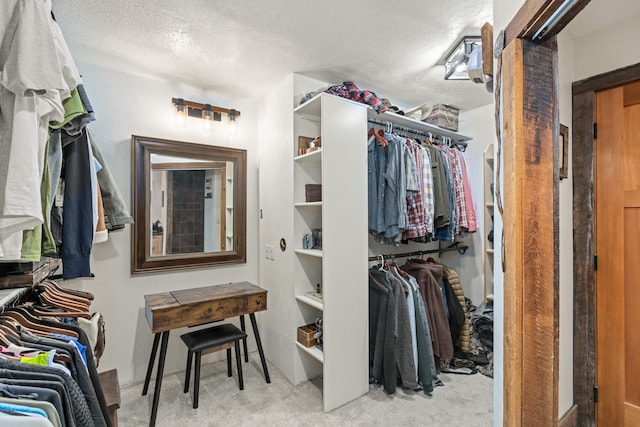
(126,104)
(565,385)
(275,148)
(478,124)
(607,49)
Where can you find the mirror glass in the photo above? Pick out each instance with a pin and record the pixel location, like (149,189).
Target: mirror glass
(188,205)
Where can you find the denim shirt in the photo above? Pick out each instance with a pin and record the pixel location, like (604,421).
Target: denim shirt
(395,189)
(377,164)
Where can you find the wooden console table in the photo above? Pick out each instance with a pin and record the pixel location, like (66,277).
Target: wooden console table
(191,307)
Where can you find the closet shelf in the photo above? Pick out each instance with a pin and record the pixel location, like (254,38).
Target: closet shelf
(310,107)
(490,205)
(409,122)
(312,351)
(313,107)
(490,251)
(307,204)
(310,252)
(310,158)
(313,302)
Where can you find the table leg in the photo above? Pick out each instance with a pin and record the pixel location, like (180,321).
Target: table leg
(252,316)
(152,359)
(244,341)
(156,392)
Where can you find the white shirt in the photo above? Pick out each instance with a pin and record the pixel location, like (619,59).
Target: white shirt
(36,74)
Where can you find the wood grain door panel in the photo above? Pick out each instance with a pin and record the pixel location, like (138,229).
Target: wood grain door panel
(617,200)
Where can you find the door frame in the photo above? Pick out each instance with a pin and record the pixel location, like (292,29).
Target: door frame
(527,126)
(584,304)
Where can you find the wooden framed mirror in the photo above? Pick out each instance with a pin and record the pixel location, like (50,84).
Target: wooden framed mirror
(189,205)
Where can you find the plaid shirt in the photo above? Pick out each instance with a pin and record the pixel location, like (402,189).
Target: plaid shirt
(427,185)
(349,90)
(415,206)
(471,212)
(461,206)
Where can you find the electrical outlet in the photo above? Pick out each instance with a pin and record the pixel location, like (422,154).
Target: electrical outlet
(269,252)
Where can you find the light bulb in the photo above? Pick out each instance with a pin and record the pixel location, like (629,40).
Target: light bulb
(207,116)
(233,118)
(180,113)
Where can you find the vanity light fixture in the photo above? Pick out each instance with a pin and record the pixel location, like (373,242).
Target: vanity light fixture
(207,112)
(234,118)
(455,66)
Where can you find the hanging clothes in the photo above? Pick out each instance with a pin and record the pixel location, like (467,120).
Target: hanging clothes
(50,360)
(429,277)
(32,87)
(419,193)
(45,154)
(400,351)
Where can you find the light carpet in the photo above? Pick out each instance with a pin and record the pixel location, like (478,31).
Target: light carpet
(464,400)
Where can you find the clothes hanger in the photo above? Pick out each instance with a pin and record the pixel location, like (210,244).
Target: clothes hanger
(3,339)
(378,285)
(79,294)
(389,127)
(56,290)
(50,298)
(24,319)
(400,271)
(378,135)
(9,331)
(41,313)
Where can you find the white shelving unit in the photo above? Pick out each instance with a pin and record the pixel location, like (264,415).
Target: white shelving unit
(341,265)
(489,207)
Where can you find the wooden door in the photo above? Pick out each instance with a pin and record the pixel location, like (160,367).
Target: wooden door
(617,245)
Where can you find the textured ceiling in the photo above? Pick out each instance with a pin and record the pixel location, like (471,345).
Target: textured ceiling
(245,47)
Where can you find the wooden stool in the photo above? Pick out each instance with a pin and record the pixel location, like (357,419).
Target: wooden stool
(213,339)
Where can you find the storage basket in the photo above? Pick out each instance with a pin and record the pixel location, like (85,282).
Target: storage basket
(444,116)
(313,192)
(305,335)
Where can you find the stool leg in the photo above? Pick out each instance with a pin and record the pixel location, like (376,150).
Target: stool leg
(239,364)
(187,375)
(244,340)
(228,362)
(196,380)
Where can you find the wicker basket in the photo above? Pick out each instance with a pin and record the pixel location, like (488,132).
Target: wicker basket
(305,335)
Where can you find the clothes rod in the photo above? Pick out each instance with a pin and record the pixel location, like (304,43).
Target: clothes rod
(455,247)
(418,132)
